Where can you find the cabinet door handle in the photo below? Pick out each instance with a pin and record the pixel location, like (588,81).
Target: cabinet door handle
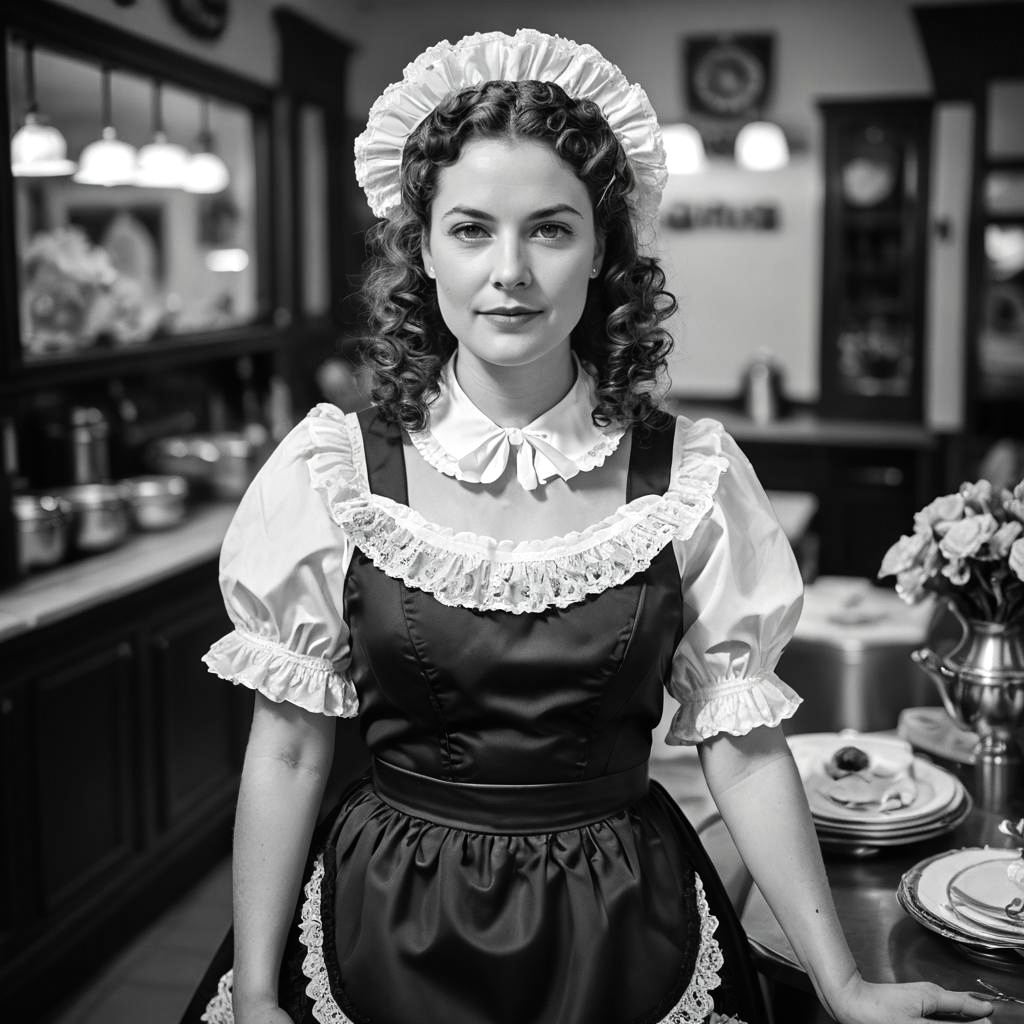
(877,476)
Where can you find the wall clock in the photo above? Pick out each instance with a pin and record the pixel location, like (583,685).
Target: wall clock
(204,18)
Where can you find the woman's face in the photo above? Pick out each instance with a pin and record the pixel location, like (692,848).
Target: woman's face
(512,246)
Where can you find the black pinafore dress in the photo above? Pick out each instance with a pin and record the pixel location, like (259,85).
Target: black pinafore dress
(507,860)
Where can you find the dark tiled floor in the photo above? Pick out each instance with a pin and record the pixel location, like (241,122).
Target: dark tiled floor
(153,979)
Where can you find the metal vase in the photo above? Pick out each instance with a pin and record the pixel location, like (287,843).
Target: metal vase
(981,683)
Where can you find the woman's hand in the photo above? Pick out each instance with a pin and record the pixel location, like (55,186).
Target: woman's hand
(864,1002)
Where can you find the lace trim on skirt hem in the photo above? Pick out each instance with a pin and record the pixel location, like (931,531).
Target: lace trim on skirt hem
(695,1006)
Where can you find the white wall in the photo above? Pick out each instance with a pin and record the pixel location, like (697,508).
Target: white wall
(739,291)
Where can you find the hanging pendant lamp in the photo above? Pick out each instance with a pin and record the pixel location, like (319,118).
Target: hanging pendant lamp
(205,172)
(161,164)
(108,160)
(38,150)
(761,146)
(684,149)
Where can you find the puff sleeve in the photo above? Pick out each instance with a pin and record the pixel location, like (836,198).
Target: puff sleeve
(282,572)
(742,596)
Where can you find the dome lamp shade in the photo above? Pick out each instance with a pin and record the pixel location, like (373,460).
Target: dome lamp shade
(761,146)
(108,160)
(161,164)
(205,173)
(684,149)
(38,150)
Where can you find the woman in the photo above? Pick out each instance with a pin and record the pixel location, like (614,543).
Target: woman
(499,568)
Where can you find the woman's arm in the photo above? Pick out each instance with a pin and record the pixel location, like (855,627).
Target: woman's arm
(287,761)
(757,788)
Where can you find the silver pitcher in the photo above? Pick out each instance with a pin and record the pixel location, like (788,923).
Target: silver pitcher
(981,683)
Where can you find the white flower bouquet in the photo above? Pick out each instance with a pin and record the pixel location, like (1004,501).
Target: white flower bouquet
(967,548)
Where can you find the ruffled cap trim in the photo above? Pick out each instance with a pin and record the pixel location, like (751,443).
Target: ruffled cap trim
(529,55)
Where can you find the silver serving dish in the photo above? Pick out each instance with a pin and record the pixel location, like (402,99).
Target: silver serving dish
(42,524)
(155,502)
(99,516)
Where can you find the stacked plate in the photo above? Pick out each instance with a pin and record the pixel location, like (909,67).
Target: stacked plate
(966,895)
(870,791)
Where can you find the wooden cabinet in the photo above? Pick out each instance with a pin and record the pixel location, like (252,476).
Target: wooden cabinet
(876,205)
(119,766)
(198,737)
(83,818)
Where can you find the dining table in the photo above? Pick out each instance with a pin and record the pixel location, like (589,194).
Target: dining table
(887,943)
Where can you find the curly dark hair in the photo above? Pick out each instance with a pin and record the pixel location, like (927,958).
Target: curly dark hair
(618,337)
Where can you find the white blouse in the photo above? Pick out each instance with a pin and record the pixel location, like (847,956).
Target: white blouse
(288,548)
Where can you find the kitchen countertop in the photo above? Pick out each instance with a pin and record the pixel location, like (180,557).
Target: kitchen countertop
(145,558)
(804,427)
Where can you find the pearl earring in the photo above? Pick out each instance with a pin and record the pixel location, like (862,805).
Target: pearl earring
(430,271)
(593,271)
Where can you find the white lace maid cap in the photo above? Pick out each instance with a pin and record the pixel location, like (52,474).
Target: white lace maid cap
(529,55)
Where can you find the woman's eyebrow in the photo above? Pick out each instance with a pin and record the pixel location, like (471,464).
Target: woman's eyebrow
(554,211)
(548,211)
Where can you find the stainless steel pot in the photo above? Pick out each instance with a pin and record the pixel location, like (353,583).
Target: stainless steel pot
(239,459)
(155,502)
(99,516)
(222,464)
(42,522)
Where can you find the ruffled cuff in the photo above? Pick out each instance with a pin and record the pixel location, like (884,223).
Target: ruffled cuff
(310,683)
(734,706)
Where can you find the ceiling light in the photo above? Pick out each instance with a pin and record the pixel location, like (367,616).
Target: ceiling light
(108,160)
(684,149)
(227,260)
(38,150)
(205,172)
(161,164)
(761,146)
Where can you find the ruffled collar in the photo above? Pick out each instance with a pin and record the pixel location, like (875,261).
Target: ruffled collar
(462,442)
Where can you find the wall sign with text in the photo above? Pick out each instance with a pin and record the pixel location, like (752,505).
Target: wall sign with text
(681,216)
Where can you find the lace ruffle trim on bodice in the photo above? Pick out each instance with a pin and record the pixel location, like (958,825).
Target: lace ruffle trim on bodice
(282,675)
(734,706)
(475,571)
(444,462)
(694,1007)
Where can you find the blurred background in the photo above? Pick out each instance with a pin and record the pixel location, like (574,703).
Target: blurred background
(181,248)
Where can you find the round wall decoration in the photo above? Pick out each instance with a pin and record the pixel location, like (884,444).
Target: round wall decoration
(204,18)
(728,77)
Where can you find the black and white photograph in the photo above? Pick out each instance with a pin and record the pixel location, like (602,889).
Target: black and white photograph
(512,513)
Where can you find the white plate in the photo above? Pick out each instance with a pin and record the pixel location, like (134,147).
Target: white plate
(837,839)
(937,792)
(813,750)
(889,827)
(927,883)
(987,886)
(999,926)
(890,758)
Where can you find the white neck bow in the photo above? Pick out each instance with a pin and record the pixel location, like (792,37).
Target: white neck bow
(462,442)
